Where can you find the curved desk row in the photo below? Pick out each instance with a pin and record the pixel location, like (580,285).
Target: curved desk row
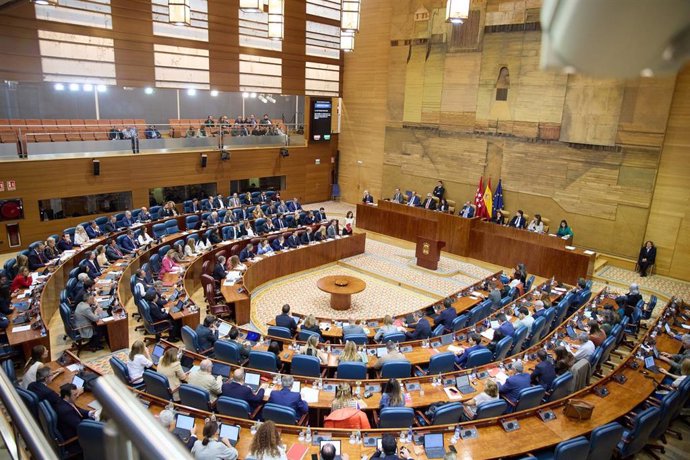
(491,440)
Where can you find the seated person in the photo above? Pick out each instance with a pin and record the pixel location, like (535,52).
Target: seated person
(65,243)
(264,248)
(499,218)
(518,221)
(646,258)
(536,225)
(127,221)
(169,265)
(279,244)
(311,348)
(387,328)
(219,272)
(144,215)
(676,360)
(235,388)
(40,386)
(113,251)
(467,210)
(517,381)
(392,354)
(292,241)
(344,398)
(422,330)
(310,324)
(447,315)
(92,230)
(596,334)
(414,199)
(203,378)
(545,372)
(144,238)
(23,280)
(111,225)
(245,348)
(352,327)
(524,319)
(247,253)
(207,333)
(564,360)
(129,244)
(585,348)
(367,198)
(677,378)
(288,398)
(461,358)
(389,450)
(350,353)
(564,230)
(36,257)
(69,415)
(490,393)
(397,196)
(80,236)
(429,202)
(307,237)
(505,327)
(443,205)
(285,320)
(392,395)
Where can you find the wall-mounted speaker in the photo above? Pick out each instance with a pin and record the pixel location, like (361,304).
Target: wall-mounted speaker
(96,167)
(284,152)
(204,159)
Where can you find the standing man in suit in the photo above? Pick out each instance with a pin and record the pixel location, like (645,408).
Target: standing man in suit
(288,398)
(429,203)
(36,258)
(367,198)
(237,389)
(69,415)
(516,382)
(422,330)
(439,190)
(413,200)
(397,196)
(467,210)
(518,221)
(447,316)
(646,258)
(285,320)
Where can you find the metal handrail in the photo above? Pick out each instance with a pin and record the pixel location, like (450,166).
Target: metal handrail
(131,423)
(24,422)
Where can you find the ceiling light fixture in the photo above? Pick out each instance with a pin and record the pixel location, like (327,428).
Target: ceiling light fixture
(214,93)
(349,19)
(251,6)
(457,11)
(276,19)
(59,87)
(179,12)
(347,41)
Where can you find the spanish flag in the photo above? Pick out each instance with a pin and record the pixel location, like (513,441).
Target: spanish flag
(488,201)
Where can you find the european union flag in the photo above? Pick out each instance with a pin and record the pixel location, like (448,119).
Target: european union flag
(498,199)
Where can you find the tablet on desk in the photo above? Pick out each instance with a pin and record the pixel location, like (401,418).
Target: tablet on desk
(157,353)
(230,432)
(252,380)
(223,329)
(78,381)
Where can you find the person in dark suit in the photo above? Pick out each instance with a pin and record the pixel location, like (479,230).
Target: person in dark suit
(247,253)
(397,196)
(518,221)
(279,244)
(279,222)
(40,387)
(545,372)
(461,359)
(321,215)
(113,252)
(389,450)
(367,198)
(207,332)
(447,316)
(68,414)
(287,398)
(219,272)
(292,241)
(129,245)
(646,258)
(505,327)
(294,205)
(429,202)
(65,243)
(439,190)
(195,207)
(215,237)
(307,237)
(36,258)
(285,320)
(235,232)
(111,225)
(92,267)
(516,382)
(422,330)
(92,230)
(443,205)
(218,202)
(467,210)
(237,389)
(127,221)
(414,199)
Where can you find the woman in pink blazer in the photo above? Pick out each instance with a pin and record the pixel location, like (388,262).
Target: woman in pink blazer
(169,265)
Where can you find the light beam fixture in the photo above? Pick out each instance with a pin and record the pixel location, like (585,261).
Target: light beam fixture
(276,19)
(347,41)
(214,93)
(59,87)
(251,6)
(457,11)
(179,12)
(191,92)
(349,19)
(270,98)
(46,2)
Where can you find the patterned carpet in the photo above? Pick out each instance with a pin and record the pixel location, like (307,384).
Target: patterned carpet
(667,287)
(102,363)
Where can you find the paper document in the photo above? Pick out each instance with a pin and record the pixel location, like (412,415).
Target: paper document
(456,349)
(570,248)
(74,367)
(489,334)
(310,395)
(588,252)
(21,328)
(501,377)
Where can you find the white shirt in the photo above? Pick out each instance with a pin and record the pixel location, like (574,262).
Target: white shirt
(533,227)
(80,238)
(585,350)
(527,321)
(200,245)
(144,239)
(281,455)
(30,374)
(676,383)
(136,367)
(214,450)
(189,252)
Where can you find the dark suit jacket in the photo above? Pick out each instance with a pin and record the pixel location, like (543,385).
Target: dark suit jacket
(462,359)
(246,254)
(280,224)
(446,318)
(438,192)
(36,260)
(43,392)
(543,374)
(415,201)
(128,244)
(69,418)
(286,321)
(517,222)
(511,389)
(649,255)
(292,241)
(429,203)
(206,337)
(93,269)
(126,222)
(471,213)
(113,253)
(507,329)
(91,232)
(157,313)
(64,245)
(235,390)
(219,272)
(277,246)
(288,398)
(306,238)
(109,227)
(368,199)
(422,330)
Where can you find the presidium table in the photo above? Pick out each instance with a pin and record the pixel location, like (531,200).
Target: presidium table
(341,288)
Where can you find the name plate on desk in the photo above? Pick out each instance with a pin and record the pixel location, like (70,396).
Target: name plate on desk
(329,387)
(413,386)
(373,388)
(406,349)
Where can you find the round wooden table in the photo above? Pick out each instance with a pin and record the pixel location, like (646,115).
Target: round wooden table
(341,288)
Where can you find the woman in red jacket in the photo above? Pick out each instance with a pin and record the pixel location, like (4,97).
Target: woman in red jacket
(22,280)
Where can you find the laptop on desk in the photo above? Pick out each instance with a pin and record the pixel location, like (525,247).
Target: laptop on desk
(650,365)
(433,445)
(183,426)
(230,432)
(571,332)
(253,381)
(462,382)
(220,369)
(177,307)
(187,362)
(174,295)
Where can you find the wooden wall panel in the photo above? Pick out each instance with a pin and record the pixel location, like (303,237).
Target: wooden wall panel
(669,218)
(133,56)
(37,180)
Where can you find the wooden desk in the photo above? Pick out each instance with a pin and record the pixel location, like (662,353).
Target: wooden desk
(543,255)
(341,288)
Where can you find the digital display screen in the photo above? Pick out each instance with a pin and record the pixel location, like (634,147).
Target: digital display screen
(321,112)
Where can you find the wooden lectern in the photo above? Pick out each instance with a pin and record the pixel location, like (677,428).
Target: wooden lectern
(428,252)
